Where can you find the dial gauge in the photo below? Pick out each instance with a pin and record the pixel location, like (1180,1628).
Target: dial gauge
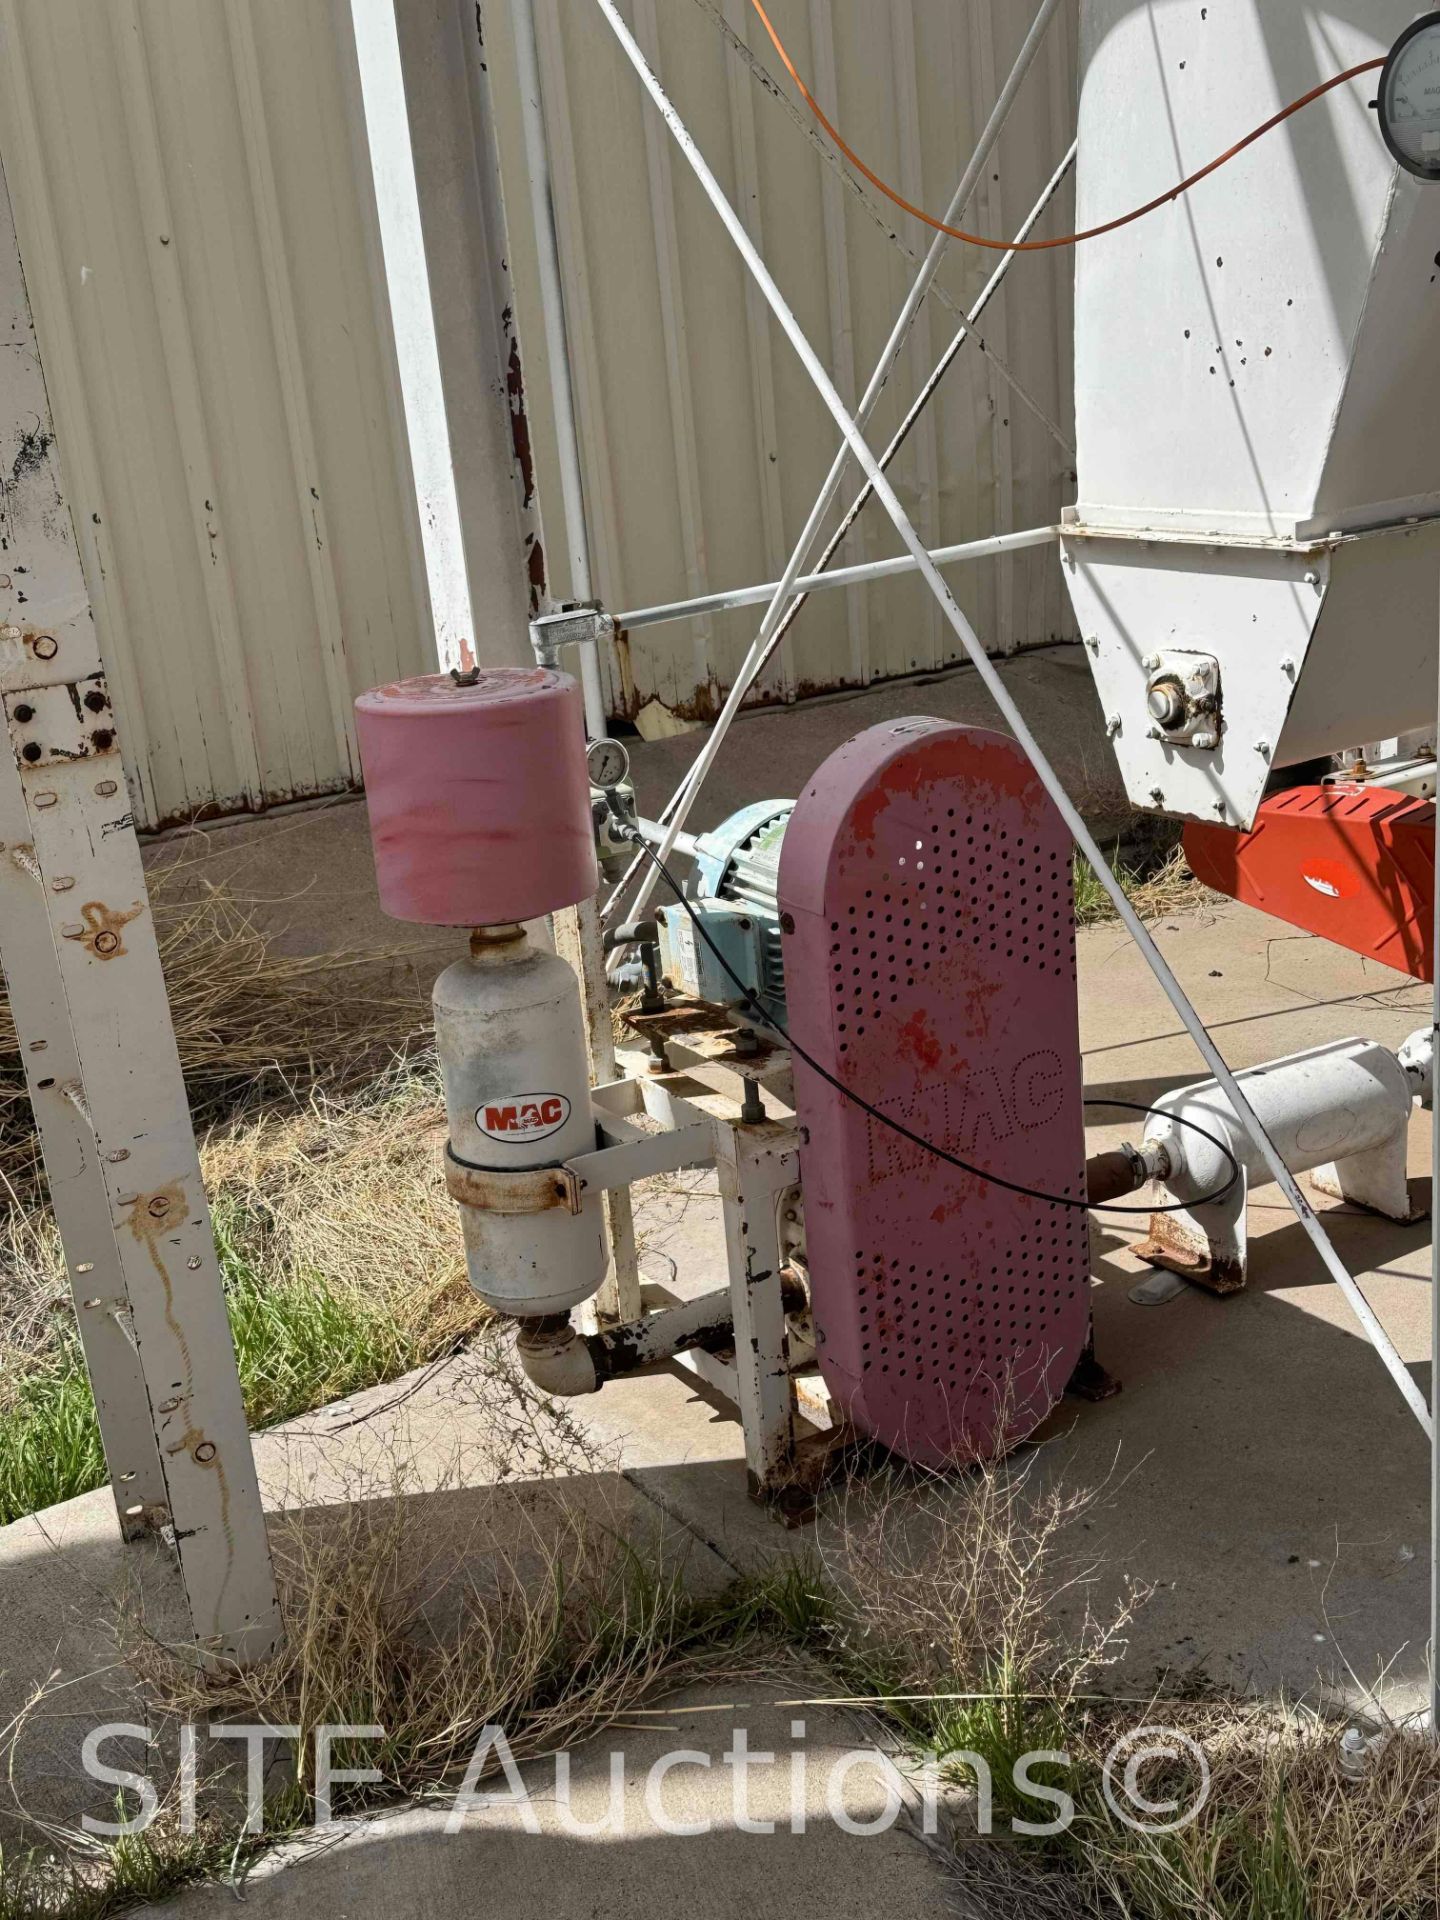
(608,763)
(1409,98)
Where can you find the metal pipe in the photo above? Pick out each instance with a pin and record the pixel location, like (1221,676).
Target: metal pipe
(685,843)
(836,577)
(558,1359)
(1123,1170)
(1000,693)
(928,269)
(557,346)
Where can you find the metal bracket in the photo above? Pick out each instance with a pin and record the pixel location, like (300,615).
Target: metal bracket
(531,1190)
(577,624)
(51,726)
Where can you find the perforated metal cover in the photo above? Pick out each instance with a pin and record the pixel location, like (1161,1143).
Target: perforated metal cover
(930,966)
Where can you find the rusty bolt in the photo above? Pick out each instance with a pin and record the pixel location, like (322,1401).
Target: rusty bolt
(24,713)
(205,1452)
(31,751)
(158,1207)
(96,701)
(107,942)
(46,646)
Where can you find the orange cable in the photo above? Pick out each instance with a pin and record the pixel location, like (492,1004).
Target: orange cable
(1068,239)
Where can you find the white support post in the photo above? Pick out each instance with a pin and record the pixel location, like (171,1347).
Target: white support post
(756,1164)
(577,940)
(93,1022)
(431,132)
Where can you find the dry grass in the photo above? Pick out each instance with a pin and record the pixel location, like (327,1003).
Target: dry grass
(969,1607)
(536,1615)
(351,1188)
(342,1262)
(346,1188)
(960,1608)
(245,1017)
(1152,889)
(1284,1834)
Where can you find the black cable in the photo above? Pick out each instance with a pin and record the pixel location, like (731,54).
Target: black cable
(753,1006)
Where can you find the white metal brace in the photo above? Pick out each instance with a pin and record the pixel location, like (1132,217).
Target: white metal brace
(88,998)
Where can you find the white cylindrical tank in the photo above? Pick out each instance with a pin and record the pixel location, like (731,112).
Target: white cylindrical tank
(510,1035)
(1319,1106)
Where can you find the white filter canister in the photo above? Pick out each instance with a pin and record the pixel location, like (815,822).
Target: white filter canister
(511,1039)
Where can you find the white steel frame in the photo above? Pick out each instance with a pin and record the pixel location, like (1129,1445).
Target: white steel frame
(82,966)
(698,1105)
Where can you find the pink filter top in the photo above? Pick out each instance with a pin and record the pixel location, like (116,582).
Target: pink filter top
(478,795)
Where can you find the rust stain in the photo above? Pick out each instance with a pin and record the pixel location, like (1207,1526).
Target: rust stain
(151,1216)
(535,568)
(519,418)
(102,932)
(918,1043)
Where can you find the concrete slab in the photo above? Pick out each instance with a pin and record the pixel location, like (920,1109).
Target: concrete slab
(616,1837)
(772,751)
(1261,1473)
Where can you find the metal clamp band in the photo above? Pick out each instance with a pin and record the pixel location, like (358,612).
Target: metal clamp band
(534,1190)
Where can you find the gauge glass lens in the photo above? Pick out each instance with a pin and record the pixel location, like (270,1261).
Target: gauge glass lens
(1411,101)
(608,763)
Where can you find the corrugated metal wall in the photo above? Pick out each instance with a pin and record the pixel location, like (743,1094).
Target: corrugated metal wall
(198,235)
(704,442)
(190,185)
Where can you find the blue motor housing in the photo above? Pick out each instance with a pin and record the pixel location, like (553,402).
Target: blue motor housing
(732,887)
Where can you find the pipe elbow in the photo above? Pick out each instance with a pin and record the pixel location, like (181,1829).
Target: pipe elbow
(556,1359)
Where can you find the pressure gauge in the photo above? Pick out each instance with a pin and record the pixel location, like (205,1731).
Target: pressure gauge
(608,763)
(1409,98)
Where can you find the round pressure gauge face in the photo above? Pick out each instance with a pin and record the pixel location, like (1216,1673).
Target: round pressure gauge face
(1409,98)
(608,763)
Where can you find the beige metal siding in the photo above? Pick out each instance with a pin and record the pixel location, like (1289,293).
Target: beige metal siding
(190,185)
(704,444)
(197,229)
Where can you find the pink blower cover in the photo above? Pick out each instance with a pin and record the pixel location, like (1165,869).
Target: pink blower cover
(478,795)
(930,955)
